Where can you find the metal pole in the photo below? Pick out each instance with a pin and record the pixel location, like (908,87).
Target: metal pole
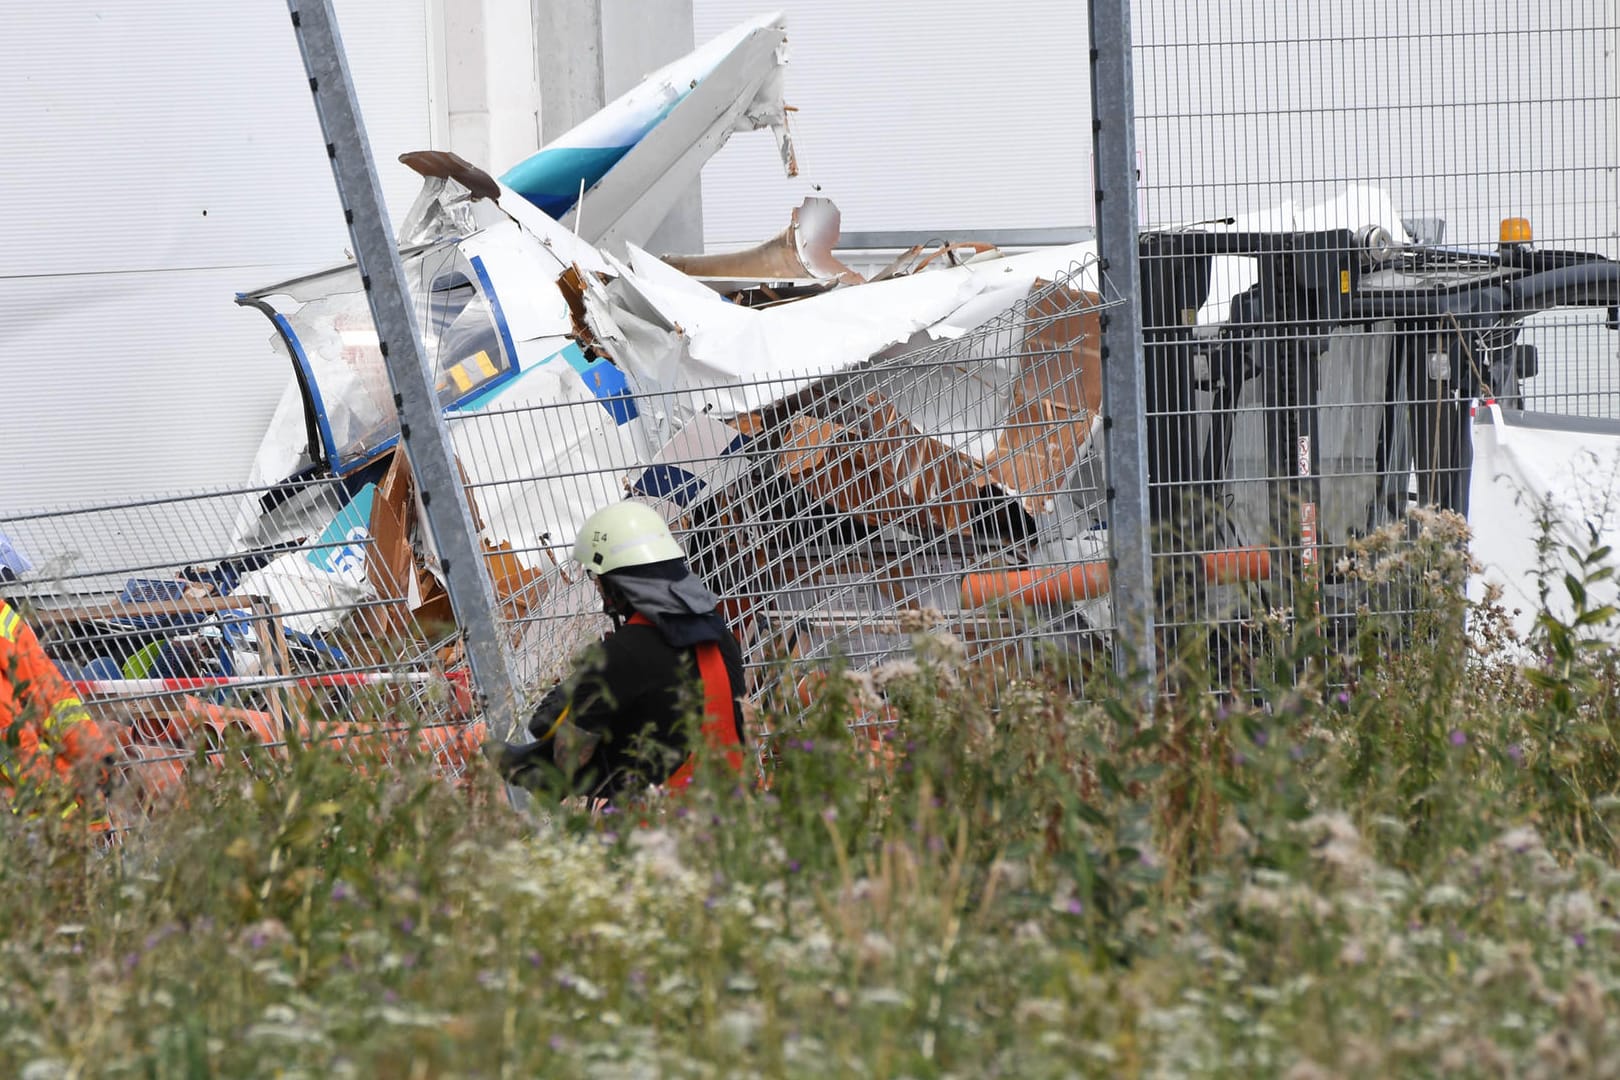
(423,432)
(1113,125)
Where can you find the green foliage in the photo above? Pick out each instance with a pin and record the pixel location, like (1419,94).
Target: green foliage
(1402,866)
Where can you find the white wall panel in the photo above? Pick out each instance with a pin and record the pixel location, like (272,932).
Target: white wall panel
(916,114)
(159,158)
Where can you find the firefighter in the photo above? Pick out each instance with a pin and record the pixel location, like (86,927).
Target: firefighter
(53,755)
(618,722)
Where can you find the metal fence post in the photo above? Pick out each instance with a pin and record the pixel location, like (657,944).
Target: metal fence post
(1113,124)
(423,432)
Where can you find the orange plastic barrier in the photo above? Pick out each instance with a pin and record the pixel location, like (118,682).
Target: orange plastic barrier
(1052,585)
(1089,580)
(1238,564)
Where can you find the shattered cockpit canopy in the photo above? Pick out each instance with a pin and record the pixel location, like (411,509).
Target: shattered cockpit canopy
(326,325)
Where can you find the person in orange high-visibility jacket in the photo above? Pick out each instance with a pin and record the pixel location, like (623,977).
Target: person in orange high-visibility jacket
(52,752)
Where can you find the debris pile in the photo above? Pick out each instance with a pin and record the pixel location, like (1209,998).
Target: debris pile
(833,448)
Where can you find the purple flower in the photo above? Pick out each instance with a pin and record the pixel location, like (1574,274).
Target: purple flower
(1239,760)
(610,838)
(1458,738)
(556,1043)
(390,997)
(1515,754)
(1074,907)
(1297,753)
(565,982)
(637,977)
(341,893)
(681,811)
(135,958)
(535,959)
(709,904)
(257,941)
(1344,697)
(793,866)
(830,814)
(408,961)
(407,925)
(1580,940)
(1261,738)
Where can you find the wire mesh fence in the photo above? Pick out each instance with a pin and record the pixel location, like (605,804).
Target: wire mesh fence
(953,485)
(835,514)
(194,625)
(1362,226)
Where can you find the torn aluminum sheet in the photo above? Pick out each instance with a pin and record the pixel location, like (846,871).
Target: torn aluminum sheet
(638,154)
(801,252)
(539,475)
(735,360)
(317,585)
(700,461)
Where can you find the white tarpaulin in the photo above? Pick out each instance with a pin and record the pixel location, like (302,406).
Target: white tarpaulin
(1530,467)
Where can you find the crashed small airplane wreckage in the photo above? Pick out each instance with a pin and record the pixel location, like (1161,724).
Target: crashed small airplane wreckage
(835,449)
(761,399)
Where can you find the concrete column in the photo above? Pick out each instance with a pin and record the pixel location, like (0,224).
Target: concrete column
(591,51)
(489,80)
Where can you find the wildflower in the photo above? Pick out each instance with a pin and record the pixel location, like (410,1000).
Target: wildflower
(1074,906)
(1579,939)
(1261,738)
(407,925)
(1459,738)
(535,959)
(341,893)
(830,814)
(1515,754)
(1344,697)
(265,932)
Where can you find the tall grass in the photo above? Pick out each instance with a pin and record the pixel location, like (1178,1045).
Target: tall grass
(1402,866)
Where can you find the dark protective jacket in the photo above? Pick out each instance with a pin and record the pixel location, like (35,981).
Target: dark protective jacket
(632,694)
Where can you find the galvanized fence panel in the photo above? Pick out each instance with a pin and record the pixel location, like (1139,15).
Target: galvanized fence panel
(192,623)
(954,487)
(1359,224)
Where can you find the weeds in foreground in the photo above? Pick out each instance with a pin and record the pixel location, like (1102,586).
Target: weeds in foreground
(1410,872)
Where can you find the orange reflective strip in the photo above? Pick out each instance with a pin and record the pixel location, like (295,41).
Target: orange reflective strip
(10,622)
(719,728)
